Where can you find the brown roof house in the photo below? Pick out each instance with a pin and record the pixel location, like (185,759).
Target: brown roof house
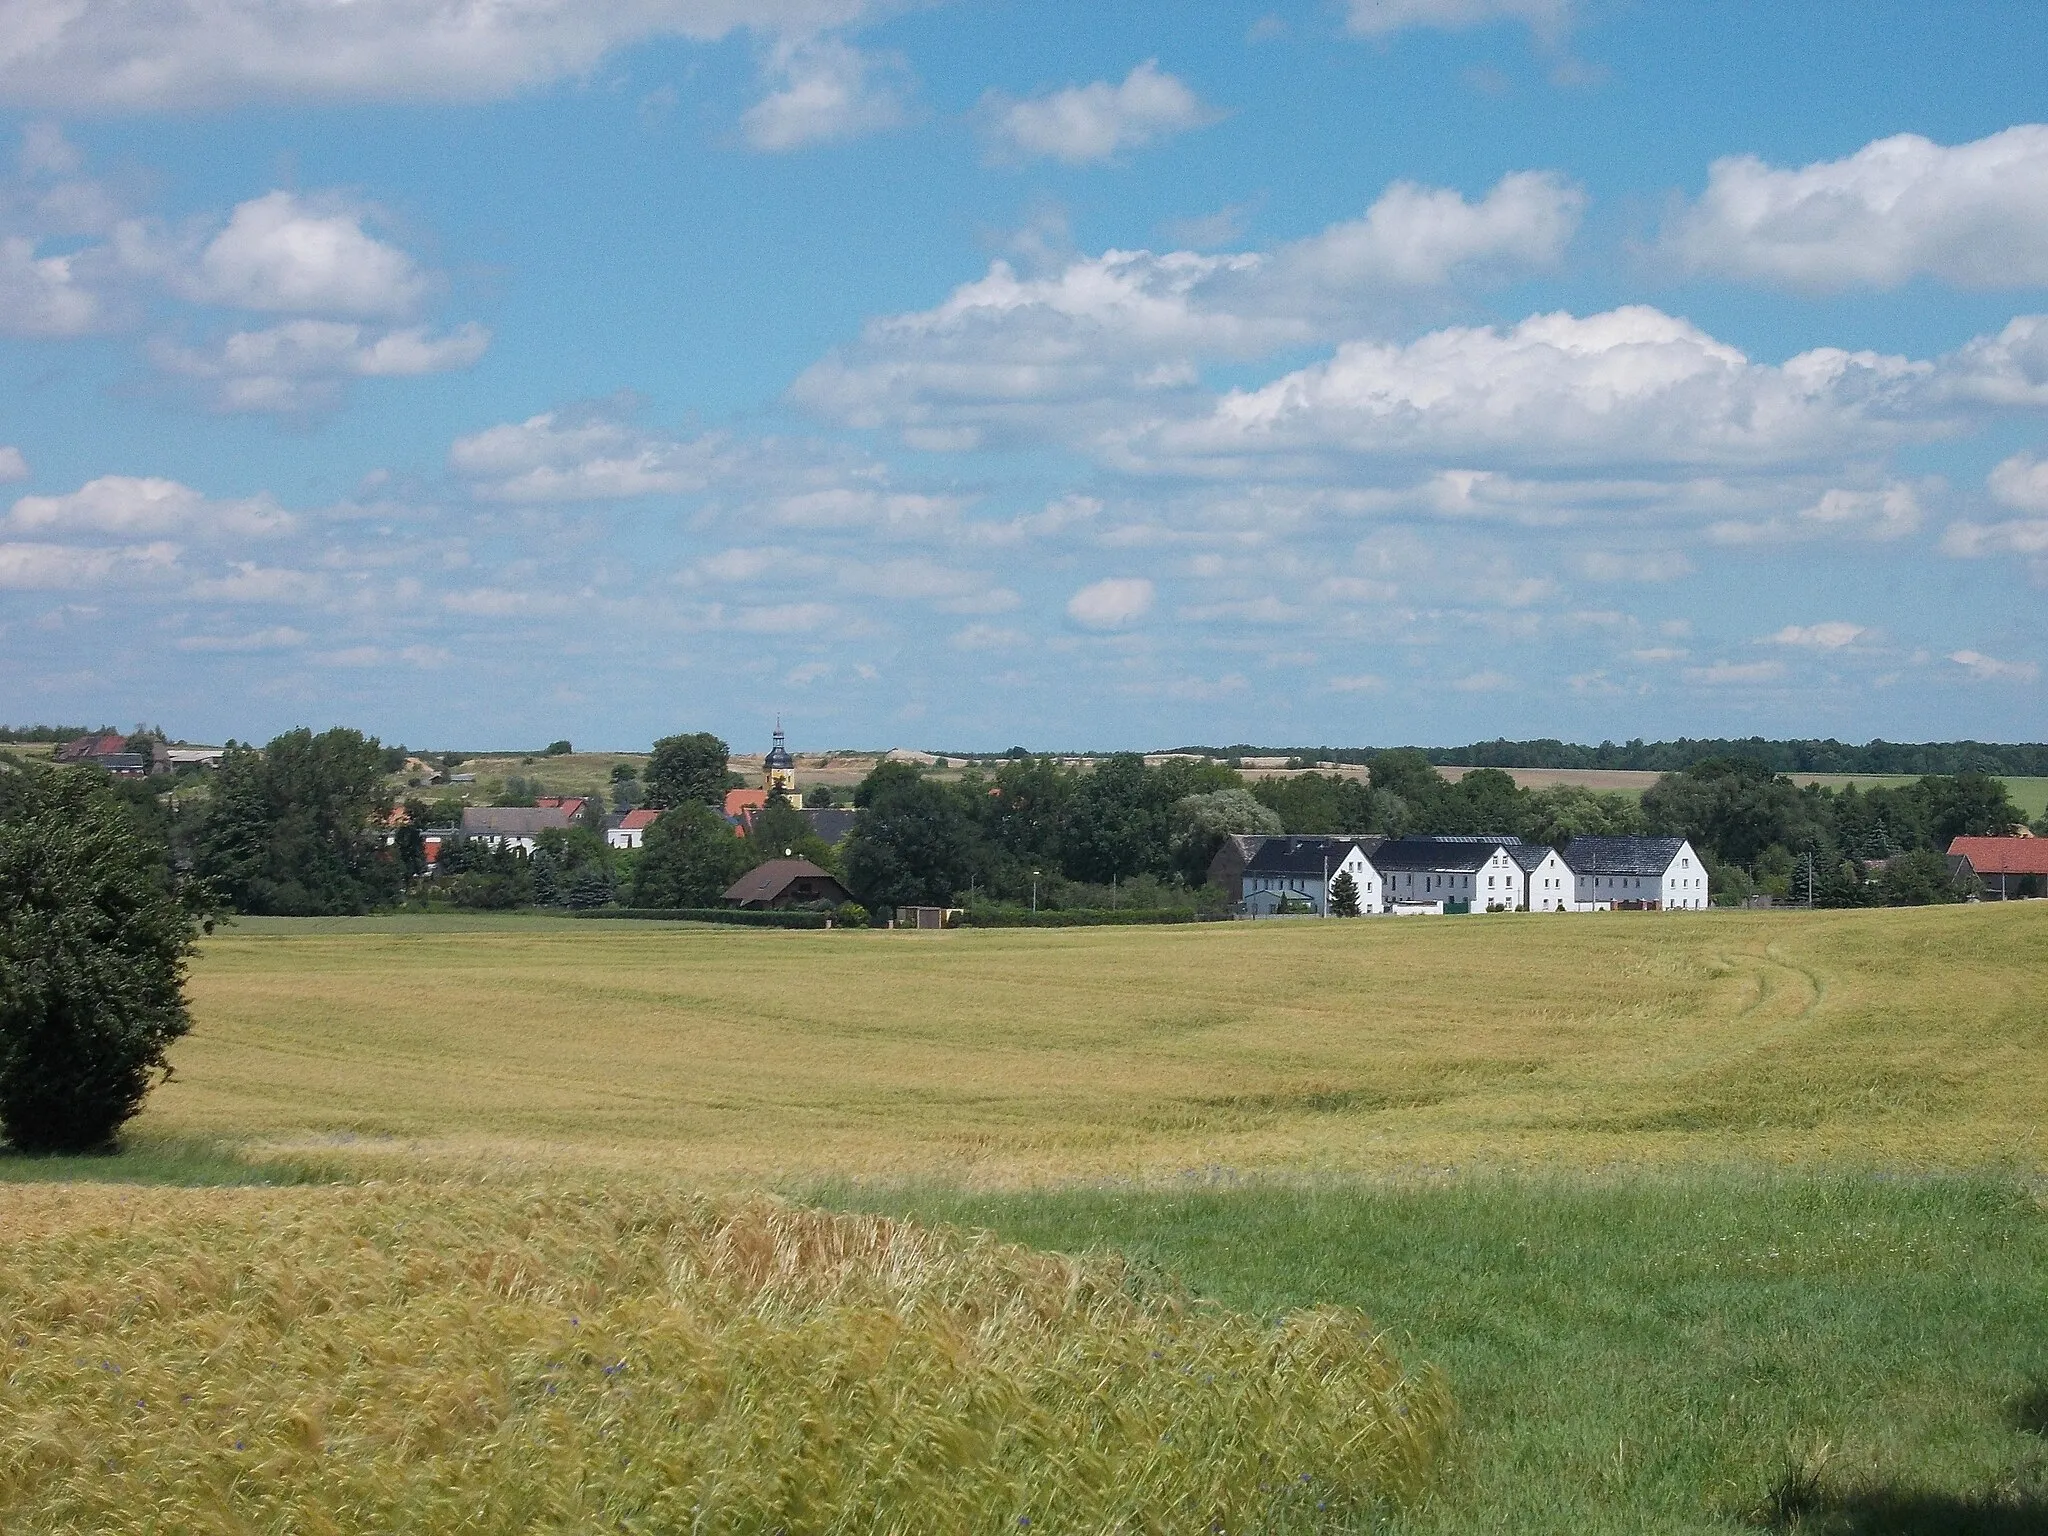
(787,883)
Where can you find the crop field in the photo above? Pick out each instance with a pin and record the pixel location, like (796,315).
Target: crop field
(1605,1223)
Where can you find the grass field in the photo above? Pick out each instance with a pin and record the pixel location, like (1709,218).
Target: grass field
(1713,1222)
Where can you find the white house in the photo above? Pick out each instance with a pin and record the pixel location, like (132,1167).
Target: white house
(1547,882)
(501,826)
(1653,874)
(1463,874)
(1302,869)
(629,830)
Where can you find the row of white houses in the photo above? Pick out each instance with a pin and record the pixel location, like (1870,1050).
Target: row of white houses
(1415,875)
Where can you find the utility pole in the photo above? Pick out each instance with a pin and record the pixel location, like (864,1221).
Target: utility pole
(1326,880)
(1034,893)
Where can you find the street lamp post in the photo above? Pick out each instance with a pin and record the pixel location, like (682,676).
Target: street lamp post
(1034,893)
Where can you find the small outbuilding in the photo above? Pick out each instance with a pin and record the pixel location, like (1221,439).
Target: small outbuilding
(786,883)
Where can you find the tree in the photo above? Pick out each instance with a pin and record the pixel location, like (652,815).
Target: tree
(1484,800)
(558,749)
(94,933)
(1343,895)
(1920,879)
(1118,823)
(1561,812)
(779,830)
(687,770)
(689,859)
(1737,808)
(1966,805)
(295,829)
(1316,803)
(818,797)
(1201,822)
(912,844)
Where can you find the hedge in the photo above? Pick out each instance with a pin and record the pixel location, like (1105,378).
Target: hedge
(735,916)
(1080,917)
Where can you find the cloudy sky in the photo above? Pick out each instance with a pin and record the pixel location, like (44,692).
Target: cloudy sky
(975,372)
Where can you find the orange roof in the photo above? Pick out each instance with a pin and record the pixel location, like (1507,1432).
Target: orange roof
(2004,855)
(738,800)
(635,821)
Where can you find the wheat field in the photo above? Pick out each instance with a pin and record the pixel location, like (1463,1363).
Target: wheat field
(1901,1039)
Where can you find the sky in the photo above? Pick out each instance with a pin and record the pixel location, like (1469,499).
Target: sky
(974,373)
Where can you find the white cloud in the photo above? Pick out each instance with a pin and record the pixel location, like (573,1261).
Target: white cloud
(1631,386)
(1989,669)
(827,90)
(1973,214)
(1111,603)
(1362,682)
(305,365)
(421,657)
(1087,123)
(58,567)
(2021,482)
(1831,635)
(279,638)
(1377,18)
(191,53)
(128,505)
(1726,673)
(1007,352)
(42,295)
(2009,369)
(12,465)
(922,580)
(1880,515)
(1640,565)
(299,255)
(988,637)
(1488,681)
(584,454)
(1973,541)
(248,582)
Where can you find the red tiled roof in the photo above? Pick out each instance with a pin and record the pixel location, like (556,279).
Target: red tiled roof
(738,800)
(2004,855)
(638,821)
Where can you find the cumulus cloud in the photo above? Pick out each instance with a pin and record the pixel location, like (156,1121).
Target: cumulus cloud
(826,89)
(12,465)
(1728,673)
(1989,669)
(2009,369)
(248,582)
(1831,635)
(1008,352)
(43,295)
(1888,513)
(196,53)
(306,365)
(1377,18)
(281,637)
(1904,207)
(2021,482)
(30,566)
(1084,124)
(127,505)
(583,454)
(1631,386)
(288,253)
(1111,603)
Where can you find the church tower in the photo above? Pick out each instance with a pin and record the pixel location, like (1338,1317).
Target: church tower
(778,768)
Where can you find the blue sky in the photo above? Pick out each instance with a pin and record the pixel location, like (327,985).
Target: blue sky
(976,373)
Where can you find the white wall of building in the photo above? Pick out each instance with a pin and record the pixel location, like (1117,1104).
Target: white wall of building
(1263,893)
(1550,886)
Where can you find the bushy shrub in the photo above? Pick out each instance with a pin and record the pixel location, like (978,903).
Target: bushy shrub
(94,933)
(851,915)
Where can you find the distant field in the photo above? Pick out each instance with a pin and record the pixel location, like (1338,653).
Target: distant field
(1907,1038)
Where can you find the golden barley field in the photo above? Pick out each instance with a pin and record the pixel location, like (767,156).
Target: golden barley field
(735,1058)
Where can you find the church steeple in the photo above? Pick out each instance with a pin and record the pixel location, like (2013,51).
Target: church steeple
(778,768)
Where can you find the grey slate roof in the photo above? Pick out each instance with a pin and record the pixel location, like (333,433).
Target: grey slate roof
(1529,855)
(510,821)
(831,823)
(1433,853)
(1621,855)
(1304,855)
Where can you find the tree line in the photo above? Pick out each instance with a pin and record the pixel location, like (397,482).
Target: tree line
(2023,760)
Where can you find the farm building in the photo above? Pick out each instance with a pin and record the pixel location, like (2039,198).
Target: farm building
(501,826)
(629,830)
(2008,867)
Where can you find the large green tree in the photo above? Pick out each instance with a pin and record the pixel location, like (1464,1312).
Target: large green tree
(913,843)
(687,770)
(296,829)
(94,933)
(689,858)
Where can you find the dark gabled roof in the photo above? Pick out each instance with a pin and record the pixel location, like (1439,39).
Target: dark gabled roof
(1304,855)
(1529,855)
(1458,853)
(1621,855)
(831,823)
(771,880)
